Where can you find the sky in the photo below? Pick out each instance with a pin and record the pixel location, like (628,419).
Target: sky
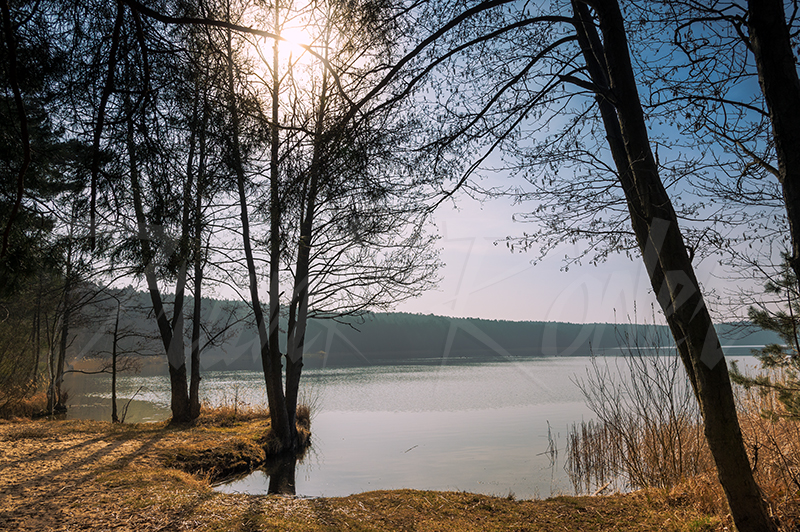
(484,280)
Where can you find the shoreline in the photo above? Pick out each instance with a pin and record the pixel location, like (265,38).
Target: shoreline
(92,475)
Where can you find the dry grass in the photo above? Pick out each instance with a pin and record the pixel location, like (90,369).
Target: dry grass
(228,415)
(602,452)
(24,406)
(773,443)
(74,475)
(407,510)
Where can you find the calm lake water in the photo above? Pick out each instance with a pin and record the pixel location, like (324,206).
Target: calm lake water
(482,428)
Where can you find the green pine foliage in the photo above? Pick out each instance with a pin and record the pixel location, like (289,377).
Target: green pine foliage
(780,362)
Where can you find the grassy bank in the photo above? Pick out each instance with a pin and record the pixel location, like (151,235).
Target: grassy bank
(81,475)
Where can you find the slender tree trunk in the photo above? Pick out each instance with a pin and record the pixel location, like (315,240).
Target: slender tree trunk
(184,250)
(777,75)
(270,360)
(194,383)
(64,337)
(37,333)
(51,367)
(298,318)
(286,432)
(171,334)
(114,416)
(65,324)
(666,259)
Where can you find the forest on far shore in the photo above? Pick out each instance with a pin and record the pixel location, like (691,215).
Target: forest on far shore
(379,338)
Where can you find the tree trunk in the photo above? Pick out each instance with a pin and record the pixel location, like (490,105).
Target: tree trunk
(284,431)
(37,333)
(51,386)
(777,75)
(298,318)
(270,360)
(666,259)
(171,335)
(194,383)
(114,415)
(184,250)
(51,367)
(64,338)
(181,408)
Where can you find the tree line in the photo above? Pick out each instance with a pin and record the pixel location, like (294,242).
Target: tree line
(119,326)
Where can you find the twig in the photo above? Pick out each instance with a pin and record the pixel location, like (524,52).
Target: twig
(601,489)
(125,408)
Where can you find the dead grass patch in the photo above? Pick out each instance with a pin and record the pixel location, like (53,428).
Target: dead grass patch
(229,415)
(24,406)
(227,457)
(26,433)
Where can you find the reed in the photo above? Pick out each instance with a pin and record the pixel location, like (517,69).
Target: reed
(628,453)
(638,444)
(648,431)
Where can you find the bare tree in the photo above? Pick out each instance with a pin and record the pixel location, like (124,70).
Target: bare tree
(553,75)
(666,258)
(128,342)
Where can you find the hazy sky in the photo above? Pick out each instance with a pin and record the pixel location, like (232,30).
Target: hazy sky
(484,280)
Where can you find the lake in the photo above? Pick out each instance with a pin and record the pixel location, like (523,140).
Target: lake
(476,427)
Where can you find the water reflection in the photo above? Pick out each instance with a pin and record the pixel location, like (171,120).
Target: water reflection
(276,476)
(281,470)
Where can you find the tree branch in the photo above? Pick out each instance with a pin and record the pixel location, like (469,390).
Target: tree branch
(101,114)
(23,122)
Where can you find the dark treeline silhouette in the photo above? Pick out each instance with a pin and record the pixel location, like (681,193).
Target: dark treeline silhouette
(395,338)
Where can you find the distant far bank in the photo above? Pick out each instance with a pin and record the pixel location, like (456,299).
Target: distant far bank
(403,338)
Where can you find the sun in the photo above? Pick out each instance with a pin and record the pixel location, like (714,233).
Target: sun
(299,31)
(295,43)
(305,41)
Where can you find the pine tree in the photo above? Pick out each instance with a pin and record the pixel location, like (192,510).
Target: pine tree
(780,362)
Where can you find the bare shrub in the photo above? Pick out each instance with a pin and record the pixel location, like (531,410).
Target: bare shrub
(23,405)
(648,431)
